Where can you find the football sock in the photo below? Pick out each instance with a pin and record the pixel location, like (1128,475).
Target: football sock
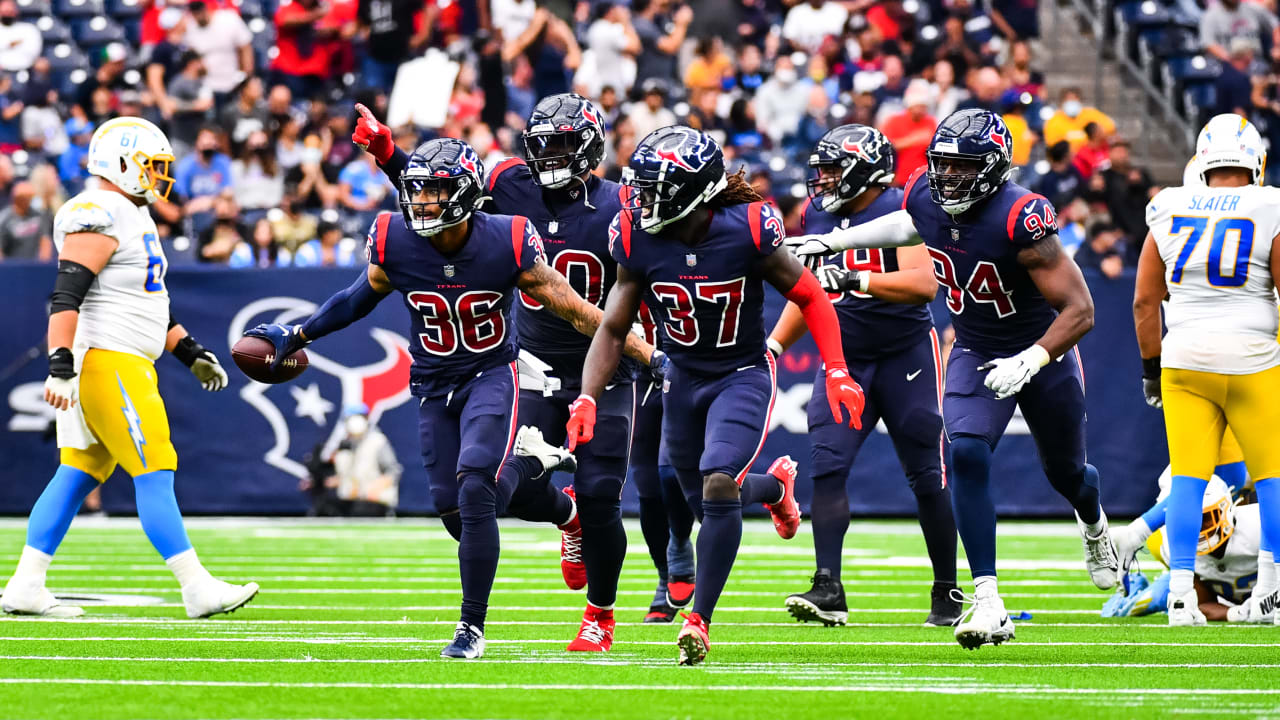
(55,508)
(985,585)
(829,518)
(1181,582)
(1266,573)
(1081,490)
(938,524)
(187,569)
(33,566)
(1154,518)
(478,550)
(660,594)
(1235,475)
(158,512)
(1268,490)
(604,546)
(718,542)
(1182,520)
(975,513)
(760,488)
(452,521)
(656,531)
(680,560)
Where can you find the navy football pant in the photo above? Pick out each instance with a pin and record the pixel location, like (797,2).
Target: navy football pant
(1053,406)
(905,390)
(602,470)
(713,428)
(665,517)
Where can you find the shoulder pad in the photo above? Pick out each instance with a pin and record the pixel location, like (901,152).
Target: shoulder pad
(86,213)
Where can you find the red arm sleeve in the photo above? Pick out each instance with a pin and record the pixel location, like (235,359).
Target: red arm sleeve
(821,318)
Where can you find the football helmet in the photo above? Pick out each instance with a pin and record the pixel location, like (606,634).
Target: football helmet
(672,171)
(447,172)
(563,139)
(970,158)
(1229,140)
(134,155)
(846,161)
(1219,519)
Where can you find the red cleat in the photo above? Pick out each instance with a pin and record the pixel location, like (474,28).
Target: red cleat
(596,633)
(693,639)
(680,591)
(571,566)
(785,512)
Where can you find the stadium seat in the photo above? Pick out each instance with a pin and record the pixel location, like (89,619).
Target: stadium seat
(69,9)
(31,9)
(1132,18)
(123,9)
(53,31)
(1199,100)
(65,56)
(1157,46)
(249,9)
(1179,73)
(97,32)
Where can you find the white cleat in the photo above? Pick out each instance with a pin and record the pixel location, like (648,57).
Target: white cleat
(1100,555)
(1185,611)
(529,443)
(985,622)
(29,599)
(213,597)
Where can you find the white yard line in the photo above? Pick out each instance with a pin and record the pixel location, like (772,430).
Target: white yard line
(370,640)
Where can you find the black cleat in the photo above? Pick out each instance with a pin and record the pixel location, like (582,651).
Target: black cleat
(944,610)
(823,603)
(660,613)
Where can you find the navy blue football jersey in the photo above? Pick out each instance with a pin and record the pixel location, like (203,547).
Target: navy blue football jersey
(708,298)
(870,328)
(576,238)
(994,304)
(459,305)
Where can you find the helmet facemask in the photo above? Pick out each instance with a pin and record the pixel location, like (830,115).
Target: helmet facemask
(431,204)
(655,204)
(1217,524)
(556,158)
(958,180)
(154,175)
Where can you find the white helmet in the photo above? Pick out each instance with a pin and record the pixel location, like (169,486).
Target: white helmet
(1191,175)
(1229,140)
(1218,511)
(134,155)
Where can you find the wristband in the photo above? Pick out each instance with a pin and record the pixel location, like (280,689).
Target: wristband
(1151,367)
(62,364)
(188,350)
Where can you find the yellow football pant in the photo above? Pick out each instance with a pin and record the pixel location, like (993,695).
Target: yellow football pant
(122,406)
(1199,407)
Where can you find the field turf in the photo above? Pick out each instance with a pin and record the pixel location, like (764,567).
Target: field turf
(352,616)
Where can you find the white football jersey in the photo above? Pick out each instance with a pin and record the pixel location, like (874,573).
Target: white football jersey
(1232,576)
(127,307)
(1216,247)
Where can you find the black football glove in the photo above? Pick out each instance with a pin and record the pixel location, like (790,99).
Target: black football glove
(1151,382)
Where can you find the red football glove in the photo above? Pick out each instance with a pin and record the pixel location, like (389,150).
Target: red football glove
(582,421)
(844,390)
(372,135)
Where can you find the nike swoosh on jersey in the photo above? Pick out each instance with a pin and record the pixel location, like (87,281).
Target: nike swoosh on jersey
(912,375)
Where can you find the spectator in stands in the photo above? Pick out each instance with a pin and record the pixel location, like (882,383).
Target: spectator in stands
(192,101)
(225,233)
(889,95)
(1016,19)
(710,65)
(1266,101)
(781,101)
(289,144)
(1071,219)
(316,180)
(987,87)
(1016,105)
(661,36)
(279,107)
(43,131)
(1062,183)
(1095,154)
(651,113)
(1127,190)
(1104,250)
(365,466)
(911,130)
(1069,122)
(165,60)
(1018,74)
(260,250)
(389,37)
(247,115)
(750,75)
(955,47)
(511,17)
(20,42)
(302,61)
(743,132)
(946,96)
(11,107)
(614,43)
(73,165)
(362,188)
(26,233)
(520,95)
(1227,19)
(1235,88)
(110,79)
(200,177)
(809,22)
(329,249)
(291,226)
(256,179)
(224,42)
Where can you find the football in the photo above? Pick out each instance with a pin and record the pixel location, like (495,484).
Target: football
(254,355)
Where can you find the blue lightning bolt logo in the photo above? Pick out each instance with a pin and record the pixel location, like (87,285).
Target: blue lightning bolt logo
(134,422)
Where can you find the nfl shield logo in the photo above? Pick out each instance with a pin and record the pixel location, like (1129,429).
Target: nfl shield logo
(448,271)
(955,234)
(691,259)
(552,227)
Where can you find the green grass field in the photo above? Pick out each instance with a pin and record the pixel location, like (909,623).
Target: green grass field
(351,619)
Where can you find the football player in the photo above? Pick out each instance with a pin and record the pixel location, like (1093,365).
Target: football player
(697,245)
(1210,250)
(109,320)
(1019,305)
(882,299)
(459,270)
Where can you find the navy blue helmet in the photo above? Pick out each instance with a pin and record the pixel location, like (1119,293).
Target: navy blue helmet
(673,170)
(443,173)
(846,161)
(970,158)
(563,139)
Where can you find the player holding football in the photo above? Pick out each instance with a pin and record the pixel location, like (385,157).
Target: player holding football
(696,246)
(459,270)
(1019,306)
(882,299)
(109,320)
(1212,251)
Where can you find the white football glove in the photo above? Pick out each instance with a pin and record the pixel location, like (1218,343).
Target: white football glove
(209,372)
(1009,375)
(60,392)
(811,249)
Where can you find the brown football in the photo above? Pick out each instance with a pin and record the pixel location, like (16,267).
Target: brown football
(254,355)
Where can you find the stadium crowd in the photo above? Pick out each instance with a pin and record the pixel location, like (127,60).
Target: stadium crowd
(258,100)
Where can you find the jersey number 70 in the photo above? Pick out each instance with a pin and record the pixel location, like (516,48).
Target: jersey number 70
(1243,229)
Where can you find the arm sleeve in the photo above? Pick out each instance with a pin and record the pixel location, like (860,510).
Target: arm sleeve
(343,308)
(821,318)
(395,165)
(895,229)
(70,287)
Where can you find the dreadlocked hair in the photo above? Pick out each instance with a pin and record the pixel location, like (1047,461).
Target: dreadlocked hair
(737,192)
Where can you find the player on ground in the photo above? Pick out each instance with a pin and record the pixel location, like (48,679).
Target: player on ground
(1019,306)
(882,299)
(1211,250)
(109,320)
(696,246)
(458,270)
